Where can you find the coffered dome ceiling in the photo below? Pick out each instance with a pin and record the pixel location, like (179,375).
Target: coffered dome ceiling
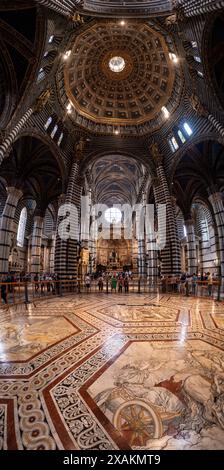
(120,76)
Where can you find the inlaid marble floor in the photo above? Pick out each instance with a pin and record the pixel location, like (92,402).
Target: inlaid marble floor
(113,372)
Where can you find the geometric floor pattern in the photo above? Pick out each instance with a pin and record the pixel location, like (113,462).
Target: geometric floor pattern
(102,372)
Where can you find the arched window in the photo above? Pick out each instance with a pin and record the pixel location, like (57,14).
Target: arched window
(181,136)
(54,131)
(49,121)
(188,129)
(173,144)
(113,215)
(41,74)
(197,59)
(22,227)
(60,139)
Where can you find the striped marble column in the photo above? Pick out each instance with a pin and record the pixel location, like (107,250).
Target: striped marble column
(6,226)
(8,141)
(171,259)
(52,252)
(58,240)
(200,7)
(191,247)
(141,258)
(218,209)
(66,262)
(152,257)
(92,245)
(36,239)
(134,255)
(216,124)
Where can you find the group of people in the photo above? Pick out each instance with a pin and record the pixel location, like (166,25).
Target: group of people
(41,281)
(120,283)
(187,284)
(47,280)
(117,281)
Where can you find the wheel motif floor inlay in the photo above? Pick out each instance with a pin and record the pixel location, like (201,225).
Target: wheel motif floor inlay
(113,372)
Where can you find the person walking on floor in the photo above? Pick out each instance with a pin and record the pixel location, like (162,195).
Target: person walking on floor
(100,284)
(88,282)
(210,284)
(126,284)
(113,284)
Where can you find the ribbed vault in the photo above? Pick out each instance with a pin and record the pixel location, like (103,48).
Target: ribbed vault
(116,180)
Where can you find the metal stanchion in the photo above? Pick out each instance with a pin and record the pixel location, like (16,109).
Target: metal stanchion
(60,289)
(107,285)
(26,292)
(139,286)
(219,285)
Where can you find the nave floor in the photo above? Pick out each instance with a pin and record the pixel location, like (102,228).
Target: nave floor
(113,372)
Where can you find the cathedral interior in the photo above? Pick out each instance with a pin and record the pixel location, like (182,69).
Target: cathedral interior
(111,342)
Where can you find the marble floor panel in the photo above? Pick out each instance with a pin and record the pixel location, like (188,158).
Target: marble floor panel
(108,372)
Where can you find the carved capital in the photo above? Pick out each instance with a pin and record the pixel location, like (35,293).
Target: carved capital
(39,213)
(80,148)
(61,199)
(173,200)
(176,17)
(156,154)
(215,197)
(42,101)
(189,221)
(15,192)
(197,106)
(155,181)
(77,18)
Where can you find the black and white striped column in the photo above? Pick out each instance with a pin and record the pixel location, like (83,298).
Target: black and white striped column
(8,141)
(52,252)
(6,226)
(58,240)
(216,124)
(93,248)
(200,7)
(218,209)
(152,262)
(191,247)
(140,232)
(66,263)
(92,243)
(134,254)
(36,240)
(141,258)
(171,259)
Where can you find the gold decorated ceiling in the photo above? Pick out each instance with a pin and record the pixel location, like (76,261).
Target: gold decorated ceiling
(133,96)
